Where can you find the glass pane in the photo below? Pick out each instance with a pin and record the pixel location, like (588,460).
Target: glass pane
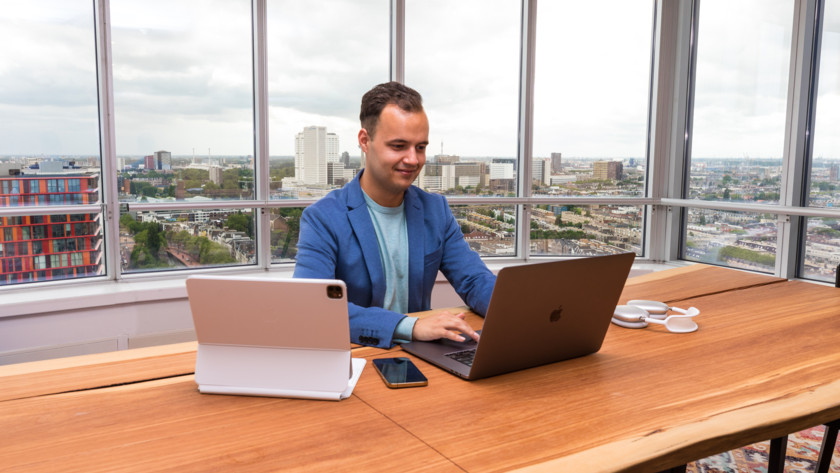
(285,230)
(49,140)
(490,230)
(591,114)
(323,55)
(50,247)
(183,99)
(569,230)
(734,239)
(825,166)
(470,92)
(49,120)
(741,83)
(822,249)
(186,239)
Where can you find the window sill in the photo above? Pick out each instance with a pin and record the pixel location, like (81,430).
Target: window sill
(75,295)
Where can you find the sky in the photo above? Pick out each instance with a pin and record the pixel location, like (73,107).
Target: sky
(183,82)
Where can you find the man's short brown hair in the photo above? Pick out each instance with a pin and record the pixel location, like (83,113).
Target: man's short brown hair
(375,100)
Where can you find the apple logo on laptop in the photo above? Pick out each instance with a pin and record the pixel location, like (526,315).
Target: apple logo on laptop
(556,314)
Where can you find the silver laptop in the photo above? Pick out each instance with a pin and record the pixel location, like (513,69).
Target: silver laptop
(539,313)
(272,337)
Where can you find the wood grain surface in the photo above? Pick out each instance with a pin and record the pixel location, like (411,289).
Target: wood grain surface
(763,363)
(167,425)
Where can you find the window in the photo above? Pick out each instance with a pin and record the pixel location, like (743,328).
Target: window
(314,93)
(470,92)
(743,59)
(591,115)
(49,116)
(39,232)
(39,262)
(821,255)
(490,230)
(471,97)
(185,239)
(285,228)
(590,126)
(738,128)
(216,162)
(183,101)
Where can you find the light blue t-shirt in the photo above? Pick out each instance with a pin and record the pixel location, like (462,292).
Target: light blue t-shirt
(392,236)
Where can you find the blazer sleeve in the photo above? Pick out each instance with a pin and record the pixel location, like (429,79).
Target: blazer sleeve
(464,268)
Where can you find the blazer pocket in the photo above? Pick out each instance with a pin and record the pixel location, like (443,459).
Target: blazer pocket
(433,258)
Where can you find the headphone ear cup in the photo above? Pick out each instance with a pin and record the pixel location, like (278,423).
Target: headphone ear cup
(655,309)
(625,324)
(629,316)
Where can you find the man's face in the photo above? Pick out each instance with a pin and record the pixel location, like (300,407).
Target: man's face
(395,154)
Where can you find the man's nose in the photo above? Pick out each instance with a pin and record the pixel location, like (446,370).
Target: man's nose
(411,157)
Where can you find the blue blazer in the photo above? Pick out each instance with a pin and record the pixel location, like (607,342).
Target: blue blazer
(338,241)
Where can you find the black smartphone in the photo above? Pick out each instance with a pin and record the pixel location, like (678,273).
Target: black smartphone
(399,372)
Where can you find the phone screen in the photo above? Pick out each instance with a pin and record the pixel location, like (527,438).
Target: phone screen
(399,372)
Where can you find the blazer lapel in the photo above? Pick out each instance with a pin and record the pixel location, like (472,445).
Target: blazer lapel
(416,253)
(357,212)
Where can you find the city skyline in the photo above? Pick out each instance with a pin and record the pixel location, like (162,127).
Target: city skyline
(738,239)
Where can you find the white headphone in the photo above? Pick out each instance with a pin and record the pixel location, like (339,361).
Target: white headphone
(639,313)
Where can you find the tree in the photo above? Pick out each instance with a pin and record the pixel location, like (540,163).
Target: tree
(243,222)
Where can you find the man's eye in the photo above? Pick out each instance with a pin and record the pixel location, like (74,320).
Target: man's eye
(421,148)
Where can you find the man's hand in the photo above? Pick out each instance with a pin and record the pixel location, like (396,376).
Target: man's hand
(444,325)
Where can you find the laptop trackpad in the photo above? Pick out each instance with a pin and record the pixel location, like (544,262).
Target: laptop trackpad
(454,345)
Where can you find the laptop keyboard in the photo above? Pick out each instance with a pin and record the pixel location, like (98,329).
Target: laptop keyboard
(463,356)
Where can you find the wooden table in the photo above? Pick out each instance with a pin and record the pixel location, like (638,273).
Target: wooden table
(764,363)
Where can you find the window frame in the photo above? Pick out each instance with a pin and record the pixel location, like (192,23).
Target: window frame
(673,56)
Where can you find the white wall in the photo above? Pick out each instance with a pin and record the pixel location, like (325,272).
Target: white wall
(83,319)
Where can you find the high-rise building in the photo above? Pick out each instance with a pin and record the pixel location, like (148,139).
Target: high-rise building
(608,170)
(47,247)
(469,174)
(163,160)
(314,148)
(834,173)
(556,162)
(332,148)
(501,171)
(541,171)
(216,175)
(335,174)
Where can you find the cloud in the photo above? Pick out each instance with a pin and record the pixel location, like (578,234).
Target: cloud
(183,80)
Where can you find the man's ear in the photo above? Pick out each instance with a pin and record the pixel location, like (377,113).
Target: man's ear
(364,140)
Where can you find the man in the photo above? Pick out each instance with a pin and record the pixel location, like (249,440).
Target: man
(387,239)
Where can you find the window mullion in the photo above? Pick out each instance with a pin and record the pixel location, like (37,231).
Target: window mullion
(526,122)
(397,56)
(107,138)
(798,145)
(669,125)
(261,151)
